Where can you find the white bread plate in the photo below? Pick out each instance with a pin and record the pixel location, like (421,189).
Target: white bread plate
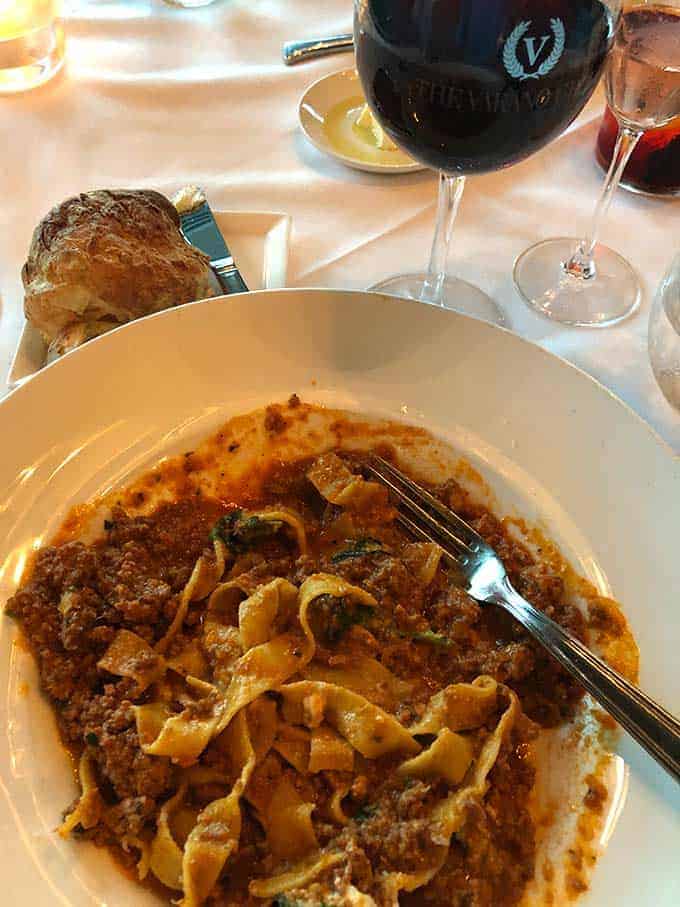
(259,241)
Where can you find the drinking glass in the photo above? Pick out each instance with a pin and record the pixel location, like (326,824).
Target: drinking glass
(664,335)
(189,4)
(654,165)
(581,282)
(31,43)
(470,87)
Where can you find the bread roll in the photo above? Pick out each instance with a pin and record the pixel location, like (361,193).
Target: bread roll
(109,256)
(74,335)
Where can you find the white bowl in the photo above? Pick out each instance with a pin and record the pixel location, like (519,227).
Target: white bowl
(554,446)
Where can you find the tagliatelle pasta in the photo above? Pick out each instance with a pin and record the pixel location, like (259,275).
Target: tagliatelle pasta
(340,486)
(88,810)
(424,558)
(259,641)
(218,827)
(315,725)
(204,578)
(280,698)
(257,612)
(459,707)
(131,656)
(366,676)
(448,756)
(166,855)
(367,728)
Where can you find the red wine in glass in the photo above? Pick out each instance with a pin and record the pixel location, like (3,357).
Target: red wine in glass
(646,69)
(471,86)
(654,165)
(467,86)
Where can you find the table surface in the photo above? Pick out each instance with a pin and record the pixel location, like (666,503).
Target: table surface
(157,96)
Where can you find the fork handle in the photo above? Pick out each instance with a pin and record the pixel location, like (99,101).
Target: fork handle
(653,727)
(298,51)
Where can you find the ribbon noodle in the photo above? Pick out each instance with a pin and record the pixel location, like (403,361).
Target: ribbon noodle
(131,656)
(218,827)
(182,737)
(288,823)
(301,874)
(423,558)
(459,706)
(334,482)
(88,809)
(294,743)
(329,752)
(166,854)
(365,726)
(364,675)
(204,577)
(448,757)
(256,614)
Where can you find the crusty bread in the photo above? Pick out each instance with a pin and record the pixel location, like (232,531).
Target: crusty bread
(109,256)
(75,334)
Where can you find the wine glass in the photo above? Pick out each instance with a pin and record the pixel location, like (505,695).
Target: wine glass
(469,87)
(582,282)
(664,335)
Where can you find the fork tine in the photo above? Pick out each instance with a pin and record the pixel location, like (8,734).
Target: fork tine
(424,536)
(470,538)
(411,502)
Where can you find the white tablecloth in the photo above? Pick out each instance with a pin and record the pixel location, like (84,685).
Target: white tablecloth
(158,96)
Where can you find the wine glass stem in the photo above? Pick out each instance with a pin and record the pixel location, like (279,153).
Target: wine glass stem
(582,263)
(450,194)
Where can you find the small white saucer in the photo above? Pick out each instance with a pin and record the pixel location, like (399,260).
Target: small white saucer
(325,96)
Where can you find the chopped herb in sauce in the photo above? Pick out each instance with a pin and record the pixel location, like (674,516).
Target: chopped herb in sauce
(91,739)
(334,616)
(358,548)
(370,809)
(239,531)
(432,638)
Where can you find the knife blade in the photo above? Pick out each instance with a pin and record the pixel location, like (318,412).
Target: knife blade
(298,51)
(200,229)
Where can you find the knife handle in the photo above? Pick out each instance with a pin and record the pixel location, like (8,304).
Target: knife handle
(230,279)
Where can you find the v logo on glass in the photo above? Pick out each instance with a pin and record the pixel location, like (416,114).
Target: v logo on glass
(532,53)
(534,45)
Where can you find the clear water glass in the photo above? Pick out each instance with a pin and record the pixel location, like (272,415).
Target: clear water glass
(664,335)
(31,43)
(189,4)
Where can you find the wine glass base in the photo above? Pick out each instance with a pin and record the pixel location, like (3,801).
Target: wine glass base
(457,295)
(613,294)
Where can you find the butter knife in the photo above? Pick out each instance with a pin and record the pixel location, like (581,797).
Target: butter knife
(199,228)
(299,51)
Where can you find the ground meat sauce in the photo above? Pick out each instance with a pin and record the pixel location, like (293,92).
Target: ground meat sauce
(78,596)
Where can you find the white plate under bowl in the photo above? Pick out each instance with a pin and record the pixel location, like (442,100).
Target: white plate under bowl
(259,241)
(575,458)
(316,103)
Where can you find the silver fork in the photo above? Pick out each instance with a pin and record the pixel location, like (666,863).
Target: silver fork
(485,579)
(298,51)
